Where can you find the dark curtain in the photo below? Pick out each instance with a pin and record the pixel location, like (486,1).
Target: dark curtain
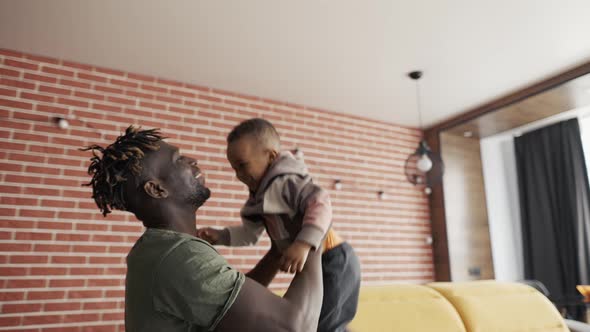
(554,197)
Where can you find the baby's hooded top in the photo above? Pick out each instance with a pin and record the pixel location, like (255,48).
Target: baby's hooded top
(288,204)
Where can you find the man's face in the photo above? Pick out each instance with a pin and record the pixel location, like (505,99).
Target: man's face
(178,174)
(249,160)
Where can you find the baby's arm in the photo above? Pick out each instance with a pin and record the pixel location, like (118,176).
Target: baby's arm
(246,234)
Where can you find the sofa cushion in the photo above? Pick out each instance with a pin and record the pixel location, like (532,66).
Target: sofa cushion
(491,306)
(404,308)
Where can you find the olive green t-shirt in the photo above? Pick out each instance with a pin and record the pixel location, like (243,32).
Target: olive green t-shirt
(177,282)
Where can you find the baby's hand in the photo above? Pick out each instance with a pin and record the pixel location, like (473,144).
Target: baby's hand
(294,257)
(209,234)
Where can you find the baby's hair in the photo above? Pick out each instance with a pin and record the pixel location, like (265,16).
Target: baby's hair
(264,132)
(117,162)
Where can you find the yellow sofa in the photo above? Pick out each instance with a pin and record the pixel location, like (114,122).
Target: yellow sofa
(477,306)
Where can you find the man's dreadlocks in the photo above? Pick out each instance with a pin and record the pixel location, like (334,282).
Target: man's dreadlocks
(118,161)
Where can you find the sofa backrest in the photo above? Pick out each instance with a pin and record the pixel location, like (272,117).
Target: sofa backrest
(404,307)
(491,306)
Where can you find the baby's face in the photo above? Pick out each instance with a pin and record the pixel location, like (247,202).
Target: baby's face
(249,160)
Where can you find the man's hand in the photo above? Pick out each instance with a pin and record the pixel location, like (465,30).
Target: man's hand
(294,257)
(209,234)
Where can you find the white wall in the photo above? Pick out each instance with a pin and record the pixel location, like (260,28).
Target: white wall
(501,186)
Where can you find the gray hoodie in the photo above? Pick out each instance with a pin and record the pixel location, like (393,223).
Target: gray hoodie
(288,204)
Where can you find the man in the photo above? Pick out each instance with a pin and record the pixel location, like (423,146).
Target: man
(176,281)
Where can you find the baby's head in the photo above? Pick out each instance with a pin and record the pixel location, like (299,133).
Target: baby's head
(251,147)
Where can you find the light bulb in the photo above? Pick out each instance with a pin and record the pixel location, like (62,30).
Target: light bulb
(337,185)
(424,163)
(61,123)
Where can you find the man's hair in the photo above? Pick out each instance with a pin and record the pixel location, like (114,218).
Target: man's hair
(117,162)
(262,130)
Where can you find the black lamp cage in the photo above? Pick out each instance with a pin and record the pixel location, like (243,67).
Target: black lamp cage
(429,178)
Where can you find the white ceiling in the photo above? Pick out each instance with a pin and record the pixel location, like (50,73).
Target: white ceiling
(342,55)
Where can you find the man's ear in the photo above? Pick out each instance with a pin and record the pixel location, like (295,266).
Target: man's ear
(154,189)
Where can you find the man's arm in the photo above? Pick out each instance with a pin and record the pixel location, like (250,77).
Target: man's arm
(258,309)
(267,268)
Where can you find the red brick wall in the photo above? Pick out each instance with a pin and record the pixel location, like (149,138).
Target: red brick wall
(62,264)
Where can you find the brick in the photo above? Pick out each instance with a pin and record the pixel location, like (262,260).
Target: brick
(89,77)
(37,97)
(31,137)
(21,64)
(41,191)
(63,329)
(152,105)
(74,215)
(108,89)
(109,71)
(210,98)
(42,78)
(84,294)
(13,271)
(67,141)
(7,92)
(115,293)
(38,58)
(53,225)
(183,93)
(77,65)
(52,109)
(74,271)
(49,271)
(42,170)
(10,308)
(15,104)
(15,224)
(36,213)
(60,204)
(73,83)
(70,283)
(169,100)
(123,101)
(10,321)
(153,88)
(110,305)
(24,157)
(34,236)
(86,95)
(62,306)
(68,260)
(103,107)
(57,71)
(89,248)
(42,320)
(106,282)
(139,95)
(9,72)
(50,89)
(28,259)
(124,83)
(26,283)
(72,102)
(51,248)
(81,318)
(5,167)
(17,84)
(113,316)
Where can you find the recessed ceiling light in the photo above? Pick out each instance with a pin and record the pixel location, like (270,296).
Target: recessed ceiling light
(468,134)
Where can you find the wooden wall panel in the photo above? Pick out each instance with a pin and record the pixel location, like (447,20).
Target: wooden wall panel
(469,247)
